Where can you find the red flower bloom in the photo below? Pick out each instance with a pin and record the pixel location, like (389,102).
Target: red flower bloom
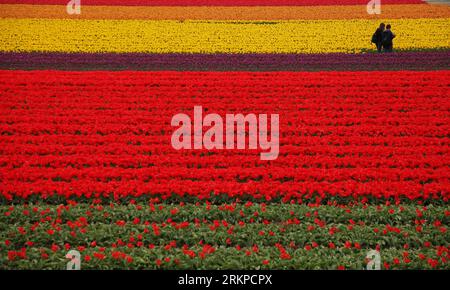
(285,256)
(433,263)
(120,223)
(99,256)
(115,255)
(11,255)
(156,230)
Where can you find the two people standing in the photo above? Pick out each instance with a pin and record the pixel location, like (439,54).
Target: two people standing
(383,37)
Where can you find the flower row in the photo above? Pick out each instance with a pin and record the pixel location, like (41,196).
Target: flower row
(161,36)
(108,134)
(226,12)
(426,60)
(225,236)
(211,2)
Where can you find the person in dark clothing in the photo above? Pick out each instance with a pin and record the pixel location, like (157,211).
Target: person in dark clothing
(388,36)
(377,37)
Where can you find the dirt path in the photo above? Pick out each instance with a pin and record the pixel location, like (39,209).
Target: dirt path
(447,2)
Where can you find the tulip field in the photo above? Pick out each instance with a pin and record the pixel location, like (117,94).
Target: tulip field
(87,163)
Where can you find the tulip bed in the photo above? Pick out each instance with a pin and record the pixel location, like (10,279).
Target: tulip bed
(337,138)
(86,161)
(173,36)
(243,235)
(421,61)
(352,174)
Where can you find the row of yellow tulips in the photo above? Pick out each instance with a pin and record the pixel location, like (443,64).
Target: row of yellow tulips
(166,36)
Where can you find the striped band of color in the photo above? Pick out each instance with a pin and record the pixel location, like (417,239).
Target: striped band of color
(209,2)
(438,60)
(225,13)
(309,36)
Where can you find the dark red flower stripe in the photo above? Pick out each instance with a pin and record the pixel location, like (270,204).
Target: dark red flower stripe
(436,60)
(209,2)
(380,134)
